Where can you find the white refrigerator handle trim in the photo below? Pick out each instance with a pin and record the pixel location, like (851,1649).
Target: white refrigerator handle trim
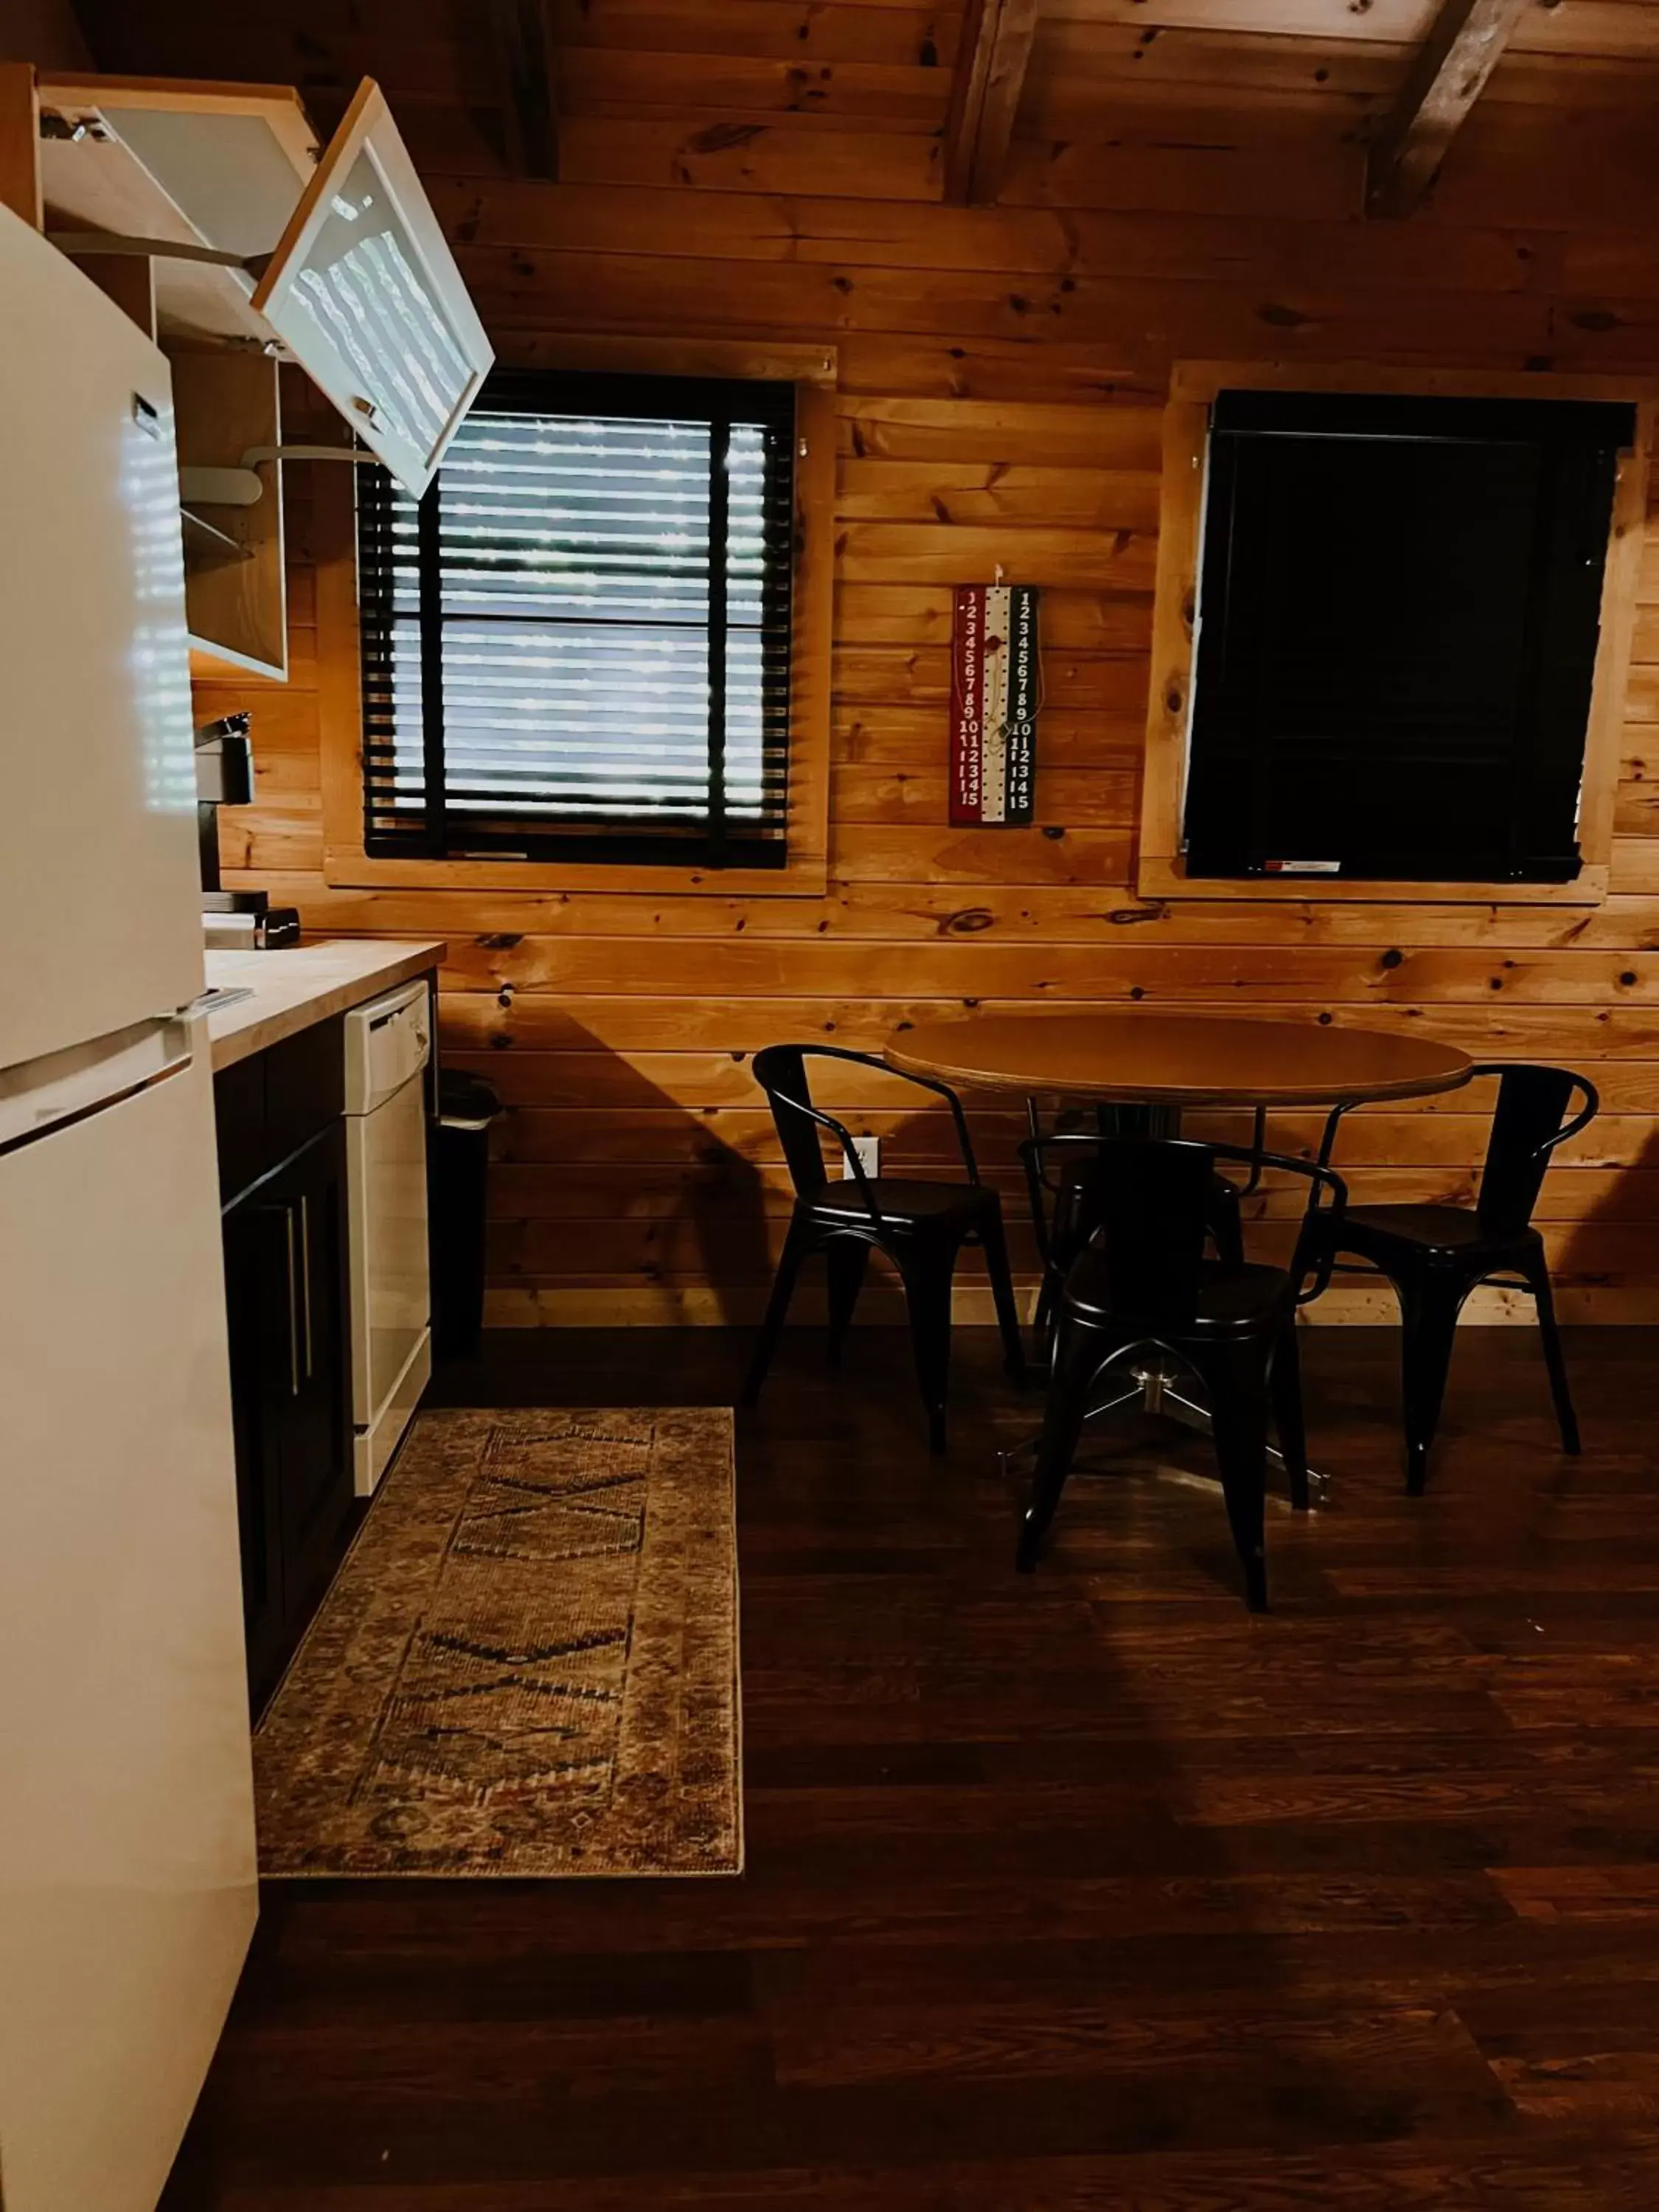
(40,1096)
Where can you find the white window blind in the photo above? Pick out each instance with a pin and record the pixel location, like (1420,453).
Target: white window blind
(578,643)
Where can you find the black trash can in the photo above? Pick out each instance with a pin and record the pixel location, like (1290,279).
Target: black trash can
(459,1178)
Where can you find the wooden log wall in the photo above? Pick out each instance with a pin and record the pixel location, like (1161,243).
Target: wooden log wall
(1000,381)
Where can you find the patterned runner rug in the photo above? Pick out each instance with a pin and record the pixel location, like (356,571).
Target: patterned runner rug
(528,1664)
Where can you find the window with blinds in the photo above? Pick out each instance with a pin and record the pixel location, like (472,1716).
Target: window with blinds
(577,645)
(1399,618)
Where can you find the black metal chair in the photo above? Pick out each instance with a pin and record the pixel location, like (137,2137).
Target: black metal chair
(921,1226)
(1065,1208)
(1435,1255)
(1144,1278)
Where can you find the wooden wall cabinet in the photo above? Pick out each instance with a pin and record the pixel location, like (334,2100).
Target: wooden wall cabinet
(286,1291)
(200,168)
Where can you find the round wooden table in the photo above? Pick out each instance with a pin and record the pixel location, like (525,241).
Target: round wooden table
(1156,1065)
(1177,1060)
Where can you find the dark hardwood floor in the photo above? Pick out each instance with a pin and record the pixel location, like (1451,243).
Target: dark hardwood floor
(1083,1893)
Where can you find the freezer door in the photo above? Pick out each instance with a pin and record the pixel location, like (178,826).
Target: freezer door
(127,1823)
(99,898)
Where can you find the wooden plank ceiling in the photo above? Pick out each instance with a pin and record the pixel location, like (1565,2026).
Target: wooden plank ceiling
(901,99)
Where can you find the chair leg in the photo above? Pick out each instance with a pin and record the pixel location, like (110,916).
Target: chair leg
(1225,1223)
(1237,1376)
(795,1246)
(847,1257)
(1002,1292)
(1062,1243)
(1284,1386)
(927,1268)
(1537,1278)
(1428,1315)
(1078,1354)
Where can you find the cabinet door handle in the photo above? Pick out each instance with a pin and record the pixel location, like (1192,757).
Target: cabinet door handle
(293,1308)
(305,1272)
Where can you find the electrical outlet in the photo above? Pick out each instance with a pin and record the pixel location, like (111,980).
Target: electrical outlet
(869,1152)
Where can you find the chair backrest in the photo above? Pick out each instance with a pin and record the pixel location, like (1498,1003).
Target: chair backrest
(781,1072)
(1530,1119)
(1153,1194)
(1147,1194)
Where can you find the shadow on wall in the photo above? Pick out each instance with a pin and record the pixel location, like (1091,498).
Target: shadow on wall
(662,1172)
(1606,1258)
(601,1180)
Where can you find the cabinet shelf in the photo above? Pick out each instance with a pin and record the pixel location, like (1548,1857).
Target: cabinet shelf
(235,588)
(208,541)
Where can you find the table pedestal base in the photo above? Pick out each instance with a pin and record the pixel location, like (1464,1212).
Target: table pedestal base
(1156,1378)
(1160,1386)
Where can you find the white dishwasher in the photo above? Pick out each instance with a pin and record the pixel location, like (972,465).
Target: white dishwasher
(388,1043)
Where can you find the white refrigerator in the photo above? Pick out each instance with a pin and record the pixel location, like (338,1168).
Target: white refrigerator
(126,1824)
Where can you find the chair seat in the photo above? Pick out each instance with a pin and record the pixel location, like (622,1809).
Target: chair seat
(898,1198)
(1456,1230)
(1231,1300)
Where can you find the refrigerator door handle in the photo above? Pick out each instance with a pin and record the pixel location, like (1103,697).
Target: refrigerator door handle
(292,1307)
(40,1096)
(305,1272)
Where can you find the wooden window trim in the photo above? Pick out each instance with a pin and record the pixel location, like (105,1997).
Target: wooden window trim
(1160,870)
(804,874)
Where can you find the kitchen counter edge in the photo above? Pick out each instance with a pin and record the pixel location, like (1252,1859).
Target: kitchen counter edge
(295,988)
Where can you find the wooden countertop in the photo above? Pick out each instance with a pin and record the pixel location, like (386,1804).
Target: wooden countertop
(304,984)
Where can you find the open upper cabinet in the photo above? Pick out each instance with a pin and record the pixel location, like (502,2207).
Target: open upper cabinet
(364,294)
(204,167)
(212,215)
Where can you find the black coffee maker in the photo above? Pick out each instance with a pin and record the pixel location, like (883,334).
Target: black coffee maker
(224,777)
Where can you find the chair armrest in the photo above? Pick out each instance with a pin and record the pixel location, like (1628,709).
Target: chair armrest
(1315,1248)
(850,1151)
(964,1142)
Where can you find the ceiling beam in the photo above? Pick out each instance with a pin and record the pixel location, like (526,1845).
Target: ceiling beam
(523,62)
(1449,75)
(990,73)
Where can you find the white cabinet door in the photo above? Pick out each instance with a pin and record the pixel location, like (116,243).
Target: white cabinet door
(100,892)
(126,1815)
(365,292)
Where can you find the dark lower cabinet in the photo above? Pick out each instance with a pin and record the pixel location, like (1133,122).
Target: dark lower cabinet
(254,1296)
(287,1289)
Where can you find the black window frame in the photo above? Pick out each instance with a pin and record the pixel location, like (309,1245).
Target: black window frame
(1529,832)
(429,833)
